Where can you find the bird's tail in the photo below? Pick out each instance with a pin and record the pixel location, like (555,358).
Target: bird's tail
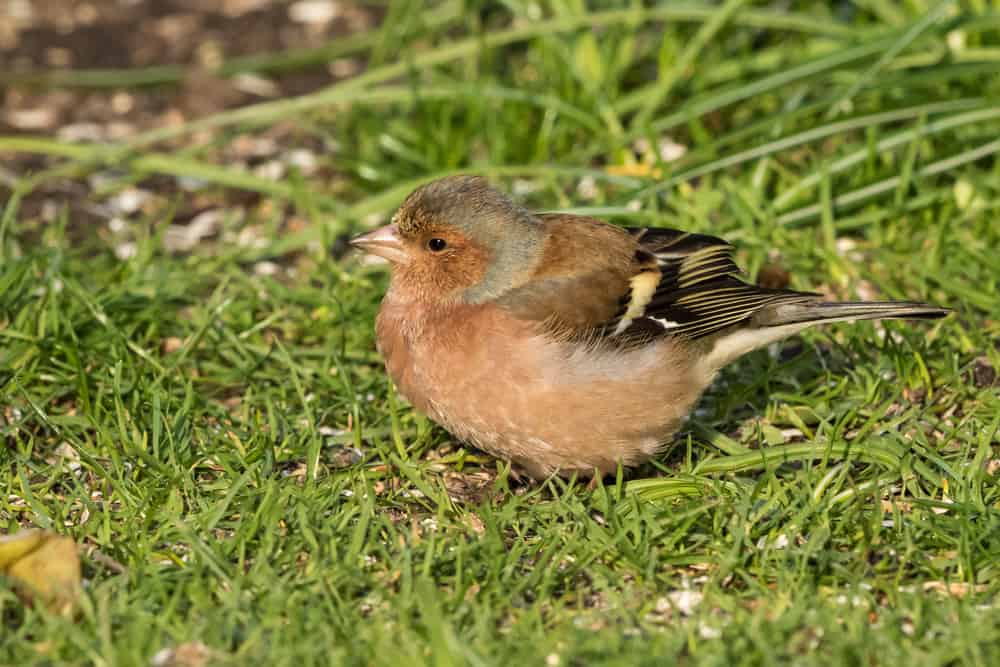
(775,322)
(816,312)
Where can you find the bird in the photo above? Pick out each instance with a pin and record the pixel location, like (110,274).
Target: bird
(565,344)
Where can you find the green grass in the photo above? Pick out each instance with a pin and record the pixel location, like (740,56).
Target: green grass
(231,439)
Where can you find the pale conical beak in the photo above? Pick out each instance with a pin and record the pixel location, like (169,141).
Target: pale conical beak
(384,242)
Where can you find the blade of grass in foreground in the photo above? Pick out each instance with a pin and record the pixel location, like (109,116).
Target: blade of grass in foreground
(766,458)
(658,489)
(769,457)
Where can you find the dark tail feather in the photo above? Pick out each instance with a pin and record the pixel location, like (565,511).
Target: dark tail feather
(832,311)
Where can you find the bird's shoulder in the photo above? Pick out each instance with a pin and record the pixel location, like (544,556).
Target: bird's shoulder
(581,277)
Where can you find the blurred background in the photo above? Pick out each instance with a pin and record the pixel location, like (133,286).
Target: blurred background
(621,108)
(148,56)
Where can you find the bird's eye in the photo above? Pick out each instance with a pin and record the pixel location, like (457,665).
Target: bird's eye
(437,245)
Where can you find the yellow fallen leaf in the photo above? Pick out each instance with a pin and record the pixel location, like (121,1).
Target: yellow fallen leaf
(15,547)
(640,170)
(44,567)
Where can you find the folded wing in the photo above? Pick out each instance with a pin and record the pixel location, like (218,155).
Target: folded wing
(699,291)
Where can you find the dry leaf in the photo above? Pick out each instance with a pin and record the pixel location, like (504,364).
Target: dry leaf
(958,589)
(475,523)
(188,654)
(44,566)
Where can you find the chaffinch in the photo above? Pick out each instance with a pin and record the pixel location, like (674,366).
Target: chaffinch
(563,343)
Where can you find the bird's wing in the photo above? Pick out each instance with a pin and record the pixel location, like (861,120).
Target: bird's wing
(699,292)
(597,280)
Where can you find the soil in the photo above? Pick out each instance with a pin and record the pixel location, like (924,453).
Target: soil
(193,37)
(47,35)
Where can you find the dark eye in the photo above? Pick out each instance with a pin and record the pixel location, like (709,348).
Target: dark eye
(437,245)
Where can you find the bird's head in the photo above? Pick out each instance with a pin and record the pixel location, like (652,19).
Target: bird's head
(457,239)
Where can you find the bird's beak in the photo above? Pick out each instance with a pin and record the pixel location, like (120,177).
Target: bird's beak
(384,242)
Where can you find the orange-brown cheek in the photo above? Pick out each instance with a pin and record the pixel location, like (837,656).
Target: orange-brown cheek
(466,268)
(441,277)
